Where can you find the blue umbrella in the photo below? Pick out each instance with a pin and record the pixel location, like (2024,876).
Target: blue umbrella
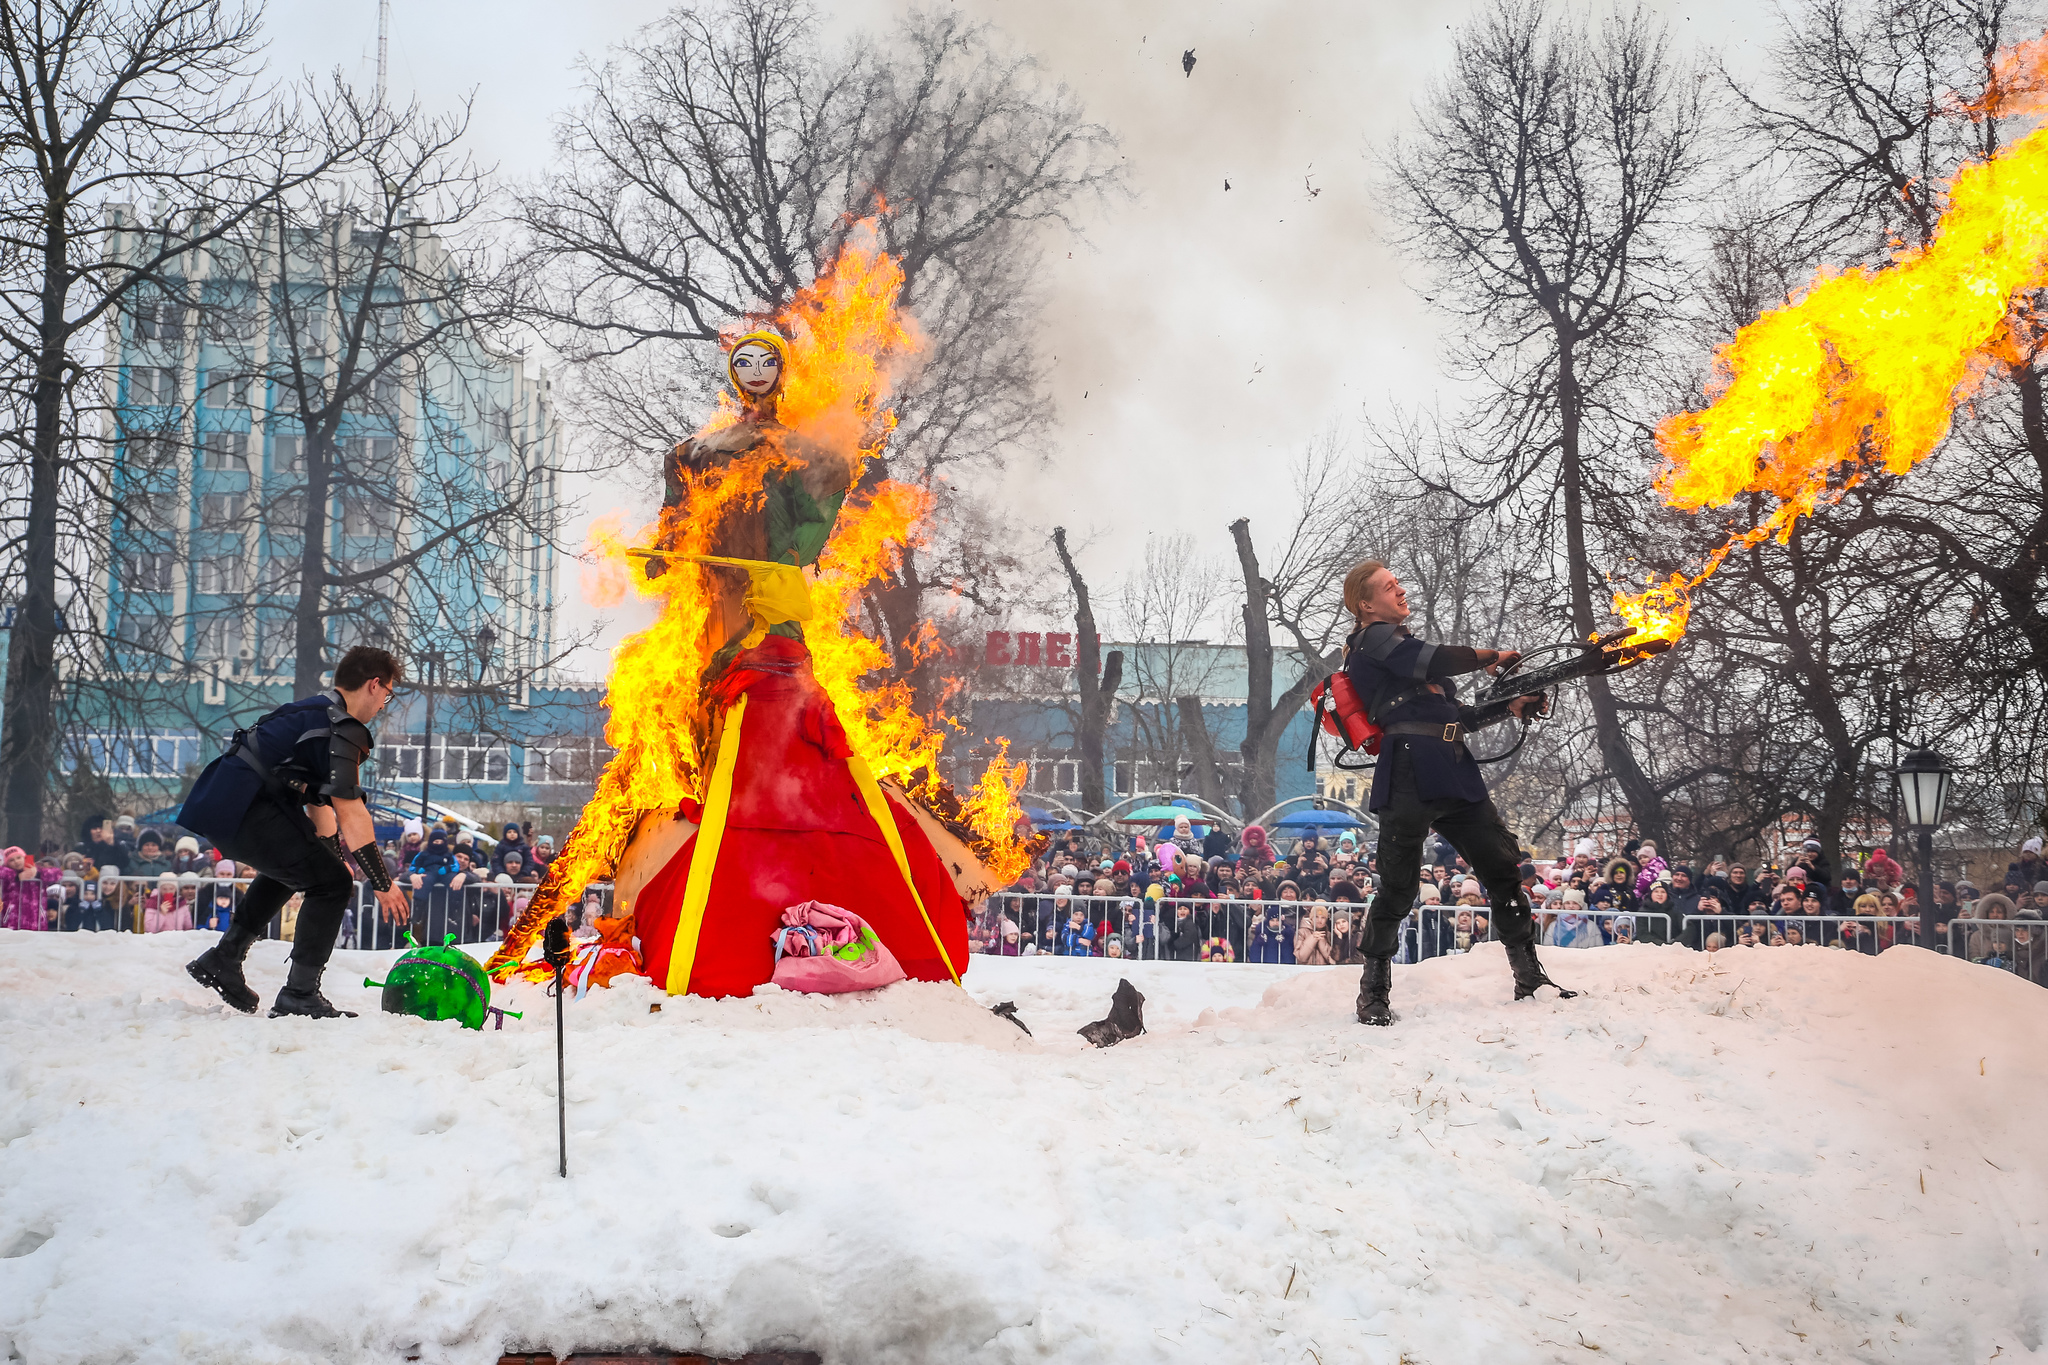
(1307,820)
(1043,819)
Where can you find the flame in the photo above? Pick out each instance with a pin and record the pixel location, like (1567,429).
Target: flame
(605,575)
(1864,371)
(993,811)
(849,344)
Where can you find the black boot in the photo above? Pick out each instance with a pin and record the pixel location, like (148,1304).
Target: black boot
(301,995)
(1529,972)
(1375,983)
(219,969)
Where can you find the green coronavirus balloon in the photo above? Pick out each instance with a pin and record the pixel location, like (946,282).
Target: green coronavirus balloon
(437,983)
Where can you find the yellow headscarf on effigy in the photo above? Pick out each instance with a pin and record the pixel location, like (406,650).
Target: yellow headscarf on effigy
(774,342)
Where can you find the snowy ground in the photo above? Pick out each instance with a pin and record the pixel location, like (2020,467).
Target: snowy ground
(1781,1154)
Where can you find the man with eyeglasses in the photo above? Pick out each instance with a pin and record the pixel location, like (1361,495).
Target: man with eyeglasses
(286,799)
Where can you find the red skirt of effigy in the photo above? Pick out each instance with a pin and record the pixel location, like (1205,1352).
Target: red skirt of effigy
(797,826)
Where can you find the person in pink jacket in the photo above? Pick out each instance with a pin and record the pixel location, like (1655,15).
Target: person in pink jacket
(164,910)
(21,891)
(1653,866)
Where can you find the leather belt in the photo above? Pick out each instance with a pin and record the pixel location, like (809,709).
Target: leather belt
(1449,734)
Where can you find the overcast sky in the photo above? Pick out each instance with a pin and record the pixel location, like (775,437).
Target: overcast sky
(1203,337)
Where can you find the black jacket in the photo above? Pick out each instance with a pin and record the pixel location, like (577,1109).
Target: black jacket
(1390,668)
(313,749)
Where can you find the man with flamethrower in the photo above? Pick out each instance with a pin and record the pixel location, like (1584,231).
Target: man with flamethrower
(1427,777)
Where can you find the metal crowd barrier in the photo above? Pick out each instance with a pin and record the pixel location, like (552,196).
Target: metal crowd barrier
(475,913)
(2017,946)
(1857,933)
(1202,930)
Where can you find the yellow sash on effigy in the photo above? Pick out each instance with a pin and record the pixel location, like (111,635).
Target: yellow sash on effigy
(878,808)
(704,855)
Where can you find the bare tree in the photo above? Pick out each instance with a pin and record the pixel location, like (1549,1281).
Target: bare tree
(1870,111)
(101,101)
(1170,606)
(1343,513)
(412,479)
(1869,114)
(716,165)
(1546,182)
(1097,680)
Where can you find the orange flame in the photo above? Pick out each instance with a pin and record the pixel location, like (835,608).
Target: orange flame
(1865,370)
(848,343)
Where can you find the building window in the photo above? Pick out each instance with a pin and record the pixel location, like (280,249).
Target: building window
(145,754)
(150,509)
(367,516)
(145,630)
(152,385)
(224,450)
(219,511)
(160,319)
(226,389)
(1066,777)
(474,760)
(218,637)
(147,454)
(306,326)
(275,636)
(224,573)
(371,455)
(146,572)
(228,323)
(279,573)
(566,760)
(287,454)
(285,516)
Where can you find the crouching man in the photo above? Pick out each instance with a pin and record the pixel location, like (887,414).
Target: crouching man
(286,799)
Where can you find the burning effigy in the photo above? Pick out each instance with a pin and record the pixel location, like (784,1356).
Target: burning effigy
(764,758)
(1864,371)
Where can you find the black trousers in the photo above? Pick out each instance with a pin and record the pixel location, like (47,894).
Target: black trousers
(281,847)
(1473,828)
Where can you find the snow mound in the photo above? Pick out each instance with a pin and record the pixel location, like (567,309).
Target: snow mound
(1773,1154)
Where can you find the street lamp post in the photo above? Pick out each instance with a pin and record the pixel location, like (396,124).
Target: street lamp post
(431,659)
(1923,780)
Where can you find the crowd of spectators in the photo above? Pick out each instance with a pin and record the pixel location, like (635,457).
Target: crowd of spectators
(1206,896)
(1194,896)
(137,878)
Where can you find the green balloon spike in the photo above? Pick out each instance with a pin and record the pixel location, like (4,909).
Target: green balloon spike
(437,983)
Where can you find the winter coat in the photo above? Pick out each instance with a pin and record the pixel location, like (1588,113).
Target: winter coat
(1882,870)
(1658,931)
(1181,940)
(165,912)
(1652,867)
(22,897)
(1576,931)
(507,844)
(1274,947)
(1312,947)
(1077,942)
(437,866)
(93,913)
(1257,851)
(1990,941)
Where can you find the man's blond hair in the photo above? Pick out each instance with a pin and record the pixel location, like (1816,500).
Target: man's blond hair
(1354,585)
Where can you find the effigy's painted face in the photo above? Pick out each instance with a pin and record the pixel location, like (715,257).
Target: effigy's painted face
(756,368)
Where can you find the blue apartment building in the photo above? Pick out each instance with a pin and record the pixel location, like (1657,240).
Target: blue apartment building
(206,525)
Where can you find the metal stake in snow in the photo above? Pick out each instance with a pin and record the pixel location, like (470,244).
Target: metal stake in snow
(555,951)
